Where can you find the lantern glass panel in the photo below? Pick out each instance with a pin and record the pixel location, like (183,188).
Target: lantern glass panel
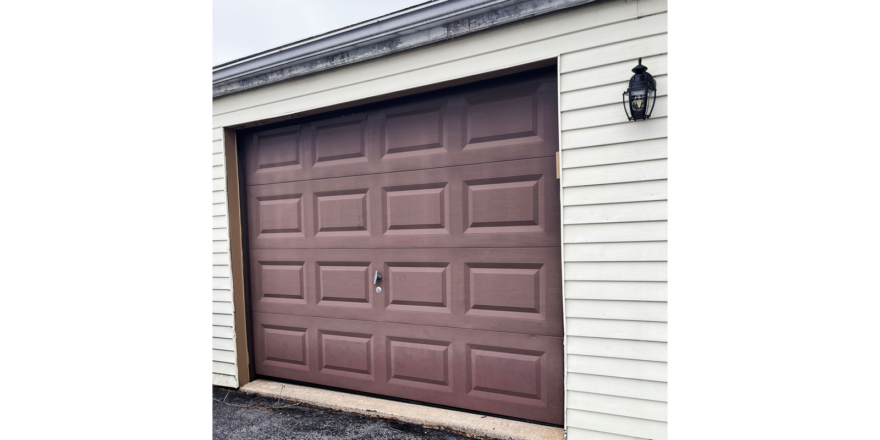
(637,100)
(627,106)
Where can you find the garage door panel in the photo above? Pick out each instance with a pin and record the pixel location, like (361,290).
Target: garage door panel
(510,374)
(506,122)
(505,204)
(516,290)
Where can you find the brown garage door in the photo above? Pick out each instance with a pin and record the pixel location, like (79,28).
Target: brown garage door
(452,198)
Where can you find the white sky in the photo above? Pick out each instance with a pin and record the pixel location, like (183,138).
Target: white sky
(244,27)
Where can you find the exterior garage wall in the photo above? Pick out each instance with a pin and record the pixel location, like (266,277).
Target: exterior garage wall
(223,333)
(614,233)
(614,194)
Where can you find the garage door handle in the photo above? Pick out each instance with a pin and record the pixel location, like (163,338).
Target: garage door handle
(377,277)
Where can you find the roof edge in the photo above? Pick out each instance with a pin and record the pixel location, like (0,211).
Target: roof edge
(406,29)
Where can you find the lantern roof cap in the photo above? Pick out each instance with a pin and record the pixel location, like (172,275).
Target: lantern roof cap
(640,68)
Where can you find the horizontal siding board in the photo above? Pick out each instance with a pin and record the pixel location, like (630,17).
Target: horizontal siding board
(573,433)
(615,193)
(616,271)
(654,42)
(488,52)
(618,386)
(224,368)
(221,283)
(617,348)
(636,251)
(615,212)
(606,115)
(631,426)
(218,197)
(632,369)
(648,7)
(223,356)
(219,221)
(606,95)
(220,259)
(621,310)
(219,234)
(616,290)
(608,328)
(222,332)
(615,153)
(219,184)
(222,307)
(218,210)
(612,73)
(224,380)
(615,232)
(224,344)
(221,271)
(218,172)
(217,159)
(225,320)
(614,134)
(220,246)
(217,134)
(620,406)
(221,295)
(217,147)
(615,173)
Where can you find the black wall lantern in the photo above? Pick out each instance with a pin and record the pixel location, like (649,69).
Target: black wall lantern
(642,93)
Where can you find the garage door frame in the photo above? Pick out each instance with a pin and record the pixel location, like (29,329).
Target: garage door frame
(236,192)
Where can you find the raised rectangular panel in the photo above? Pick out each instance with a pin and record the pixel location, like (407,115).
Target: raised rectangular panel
(282,280)
(287,346)
(280,214)
(346,354)
(416,209)
(504,204)
(504,290)
(507,374)
(418,286)
(276,149)
(344,284)
(338,141)
(503,117)
(419,363)
(342,213)
(415,132)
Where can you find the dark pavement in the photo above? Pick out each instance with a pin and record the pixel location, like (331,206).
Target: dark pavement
(242,416)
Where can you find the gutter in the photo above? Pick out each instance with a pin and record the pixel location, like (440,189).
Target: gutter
(418,26)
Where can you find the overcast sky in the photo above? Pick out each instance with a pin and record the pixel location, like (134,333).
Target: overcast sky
(244,27)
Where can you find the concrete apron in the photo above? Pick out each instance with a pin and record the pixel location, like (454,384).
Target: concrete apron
(474,424)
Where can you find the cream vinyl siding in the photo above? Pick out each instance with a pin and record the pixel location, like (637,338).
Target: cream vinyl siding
(614,192)
(224,369)
(614,196)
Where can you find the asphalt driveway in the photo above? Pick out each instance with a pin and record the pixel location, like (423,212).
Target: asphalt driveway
(239,416)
